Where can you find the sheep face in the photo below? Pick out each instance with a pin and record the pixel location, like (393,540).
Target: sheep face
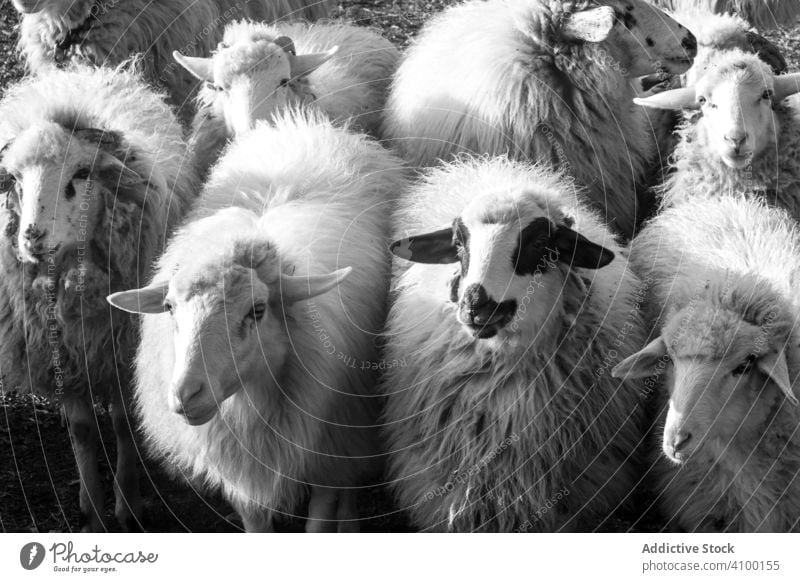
(512,253)
(58,181)
(723,374)
(228,316)
(642,37)
(253,78)
(736,96)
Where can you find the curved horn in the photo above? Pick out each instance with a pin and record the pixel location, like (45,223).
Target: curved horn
(786,85)
(199,67)
(684,98)
(297,288)
(286,44)
(302,65)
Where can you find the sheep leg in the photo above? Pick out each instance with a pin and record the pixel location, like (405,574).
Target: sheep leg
(128,499)
(347,512)
(85,436)
(322,510)
(256,521)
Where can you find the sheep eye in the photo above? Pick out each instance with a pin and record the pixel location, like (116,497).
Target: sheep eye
(82,174)
(7,181)
(744,366)
(284,82)
(214,87)
(766,95)
(257,312)
(168,306)
(701,100)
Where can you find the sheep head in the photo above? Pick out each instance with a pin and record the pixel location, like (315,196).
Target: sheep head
(57,181)
(252,76)
(737,96)
(725,371)
(514,255)
(228,319)
(638,37)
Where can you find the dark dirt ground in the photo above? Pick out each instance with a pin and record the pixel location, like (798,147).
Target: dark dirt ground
(38,477)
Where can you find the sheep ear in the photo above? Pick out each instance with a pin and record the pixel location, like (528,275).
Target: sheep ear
(592,25)
(766,51)
(643,363)
(676,99)
(305,287)
(774,365)
(201,68)
(148,299)
(126,176)
(301,65)
(578,251)
(286,43)
(786,85)
(433,248)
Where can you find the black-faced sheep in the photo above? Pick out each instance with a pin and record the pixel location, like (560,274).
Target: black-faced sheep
(259,70)
(94,173)
(506,399)
(544,81)
(747,140)
(725,278)
(259,381)
(108,32)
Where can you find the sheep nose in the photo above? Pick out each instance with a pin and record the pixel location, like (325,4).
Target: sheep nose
(33,233)
(680,440)
(181,396)
(689,44)
(477,304)
(736,139)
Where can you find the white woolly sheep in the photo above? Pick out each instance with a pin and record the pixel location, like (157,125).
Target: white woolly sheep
(259,69)
(108,32)
(716,34)
(94,172)
(725,277)
(764,14)
(266,355)
(540,80)
(506,399)
(747,140)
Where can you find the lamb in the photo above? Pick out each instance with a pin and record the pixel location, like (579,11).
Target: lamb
(540,80)
(259,381)
(747,140)
(260,69)
(505,406)
(92,165)
(108,32)
(764,14)
(725,277)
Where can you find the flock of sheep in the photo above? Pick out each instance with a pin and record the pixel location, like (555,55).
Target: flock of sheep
(546,258)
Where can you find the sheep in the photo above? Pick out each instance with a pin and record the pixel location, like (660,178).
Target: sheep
(725,274)
(747,140)
(92,165)
(715,34)
(539,80)
(259,69)
(108,32)
(764,14)
(505,407)
(260,379)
